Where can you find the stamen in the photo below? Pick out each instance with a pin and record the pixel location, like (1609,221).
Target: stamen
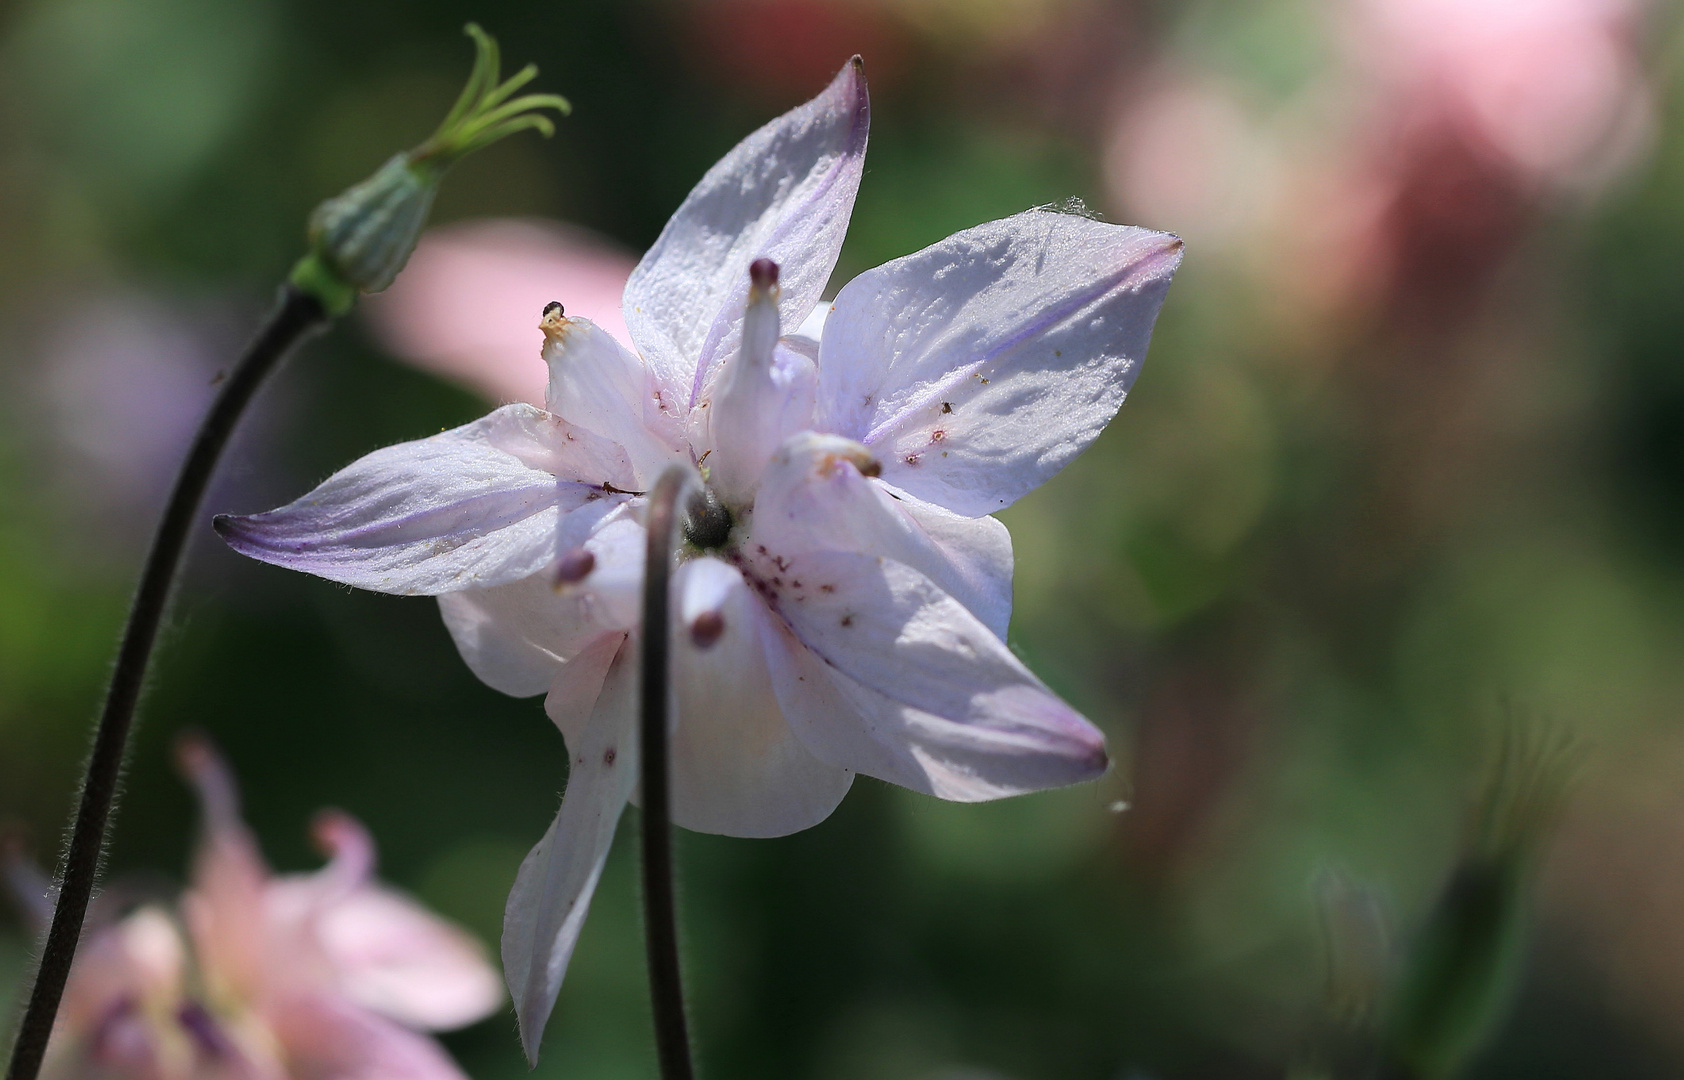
(554,321)
(706,629)
(574,567)
(763,273)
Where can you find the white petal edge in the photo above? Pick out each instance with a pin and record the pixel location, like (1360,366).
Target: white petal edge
(600,385)
(457,510)
(980,366)
(737,768)
(784,193)
(514,636)
(553,889)
(814,498)
(888,675)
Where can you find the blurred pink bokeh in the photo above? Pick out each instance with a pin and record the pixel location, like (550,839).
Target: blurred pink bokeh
(1553,88)
(1403,176)
(467,306)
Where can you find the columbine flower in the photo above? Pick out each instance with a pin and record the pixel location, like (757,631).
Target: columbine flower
(329,976)
(842,610)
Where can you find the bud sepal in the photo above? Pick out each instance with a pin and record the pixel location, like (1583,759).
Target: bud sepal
(361,238)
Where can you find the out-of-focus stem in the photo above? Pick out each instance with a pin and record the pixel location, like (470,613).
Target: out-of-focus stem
(296,317)
(660,915)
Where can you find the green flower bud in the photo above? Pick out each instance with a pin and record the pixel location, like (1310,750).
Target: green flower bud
(361,238)
(1461,971)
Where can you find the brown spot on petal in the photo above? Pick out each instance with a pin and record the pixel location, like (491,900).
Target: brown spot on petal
(947,406)
(608,756)
(848,619)
(706,629)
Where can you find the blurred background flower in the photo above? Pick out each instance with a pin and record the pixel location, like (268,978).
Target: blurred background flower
(252,976)
(1410,440)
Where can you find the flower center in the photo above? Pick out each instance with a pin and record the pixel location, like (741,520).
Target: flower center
(708,524)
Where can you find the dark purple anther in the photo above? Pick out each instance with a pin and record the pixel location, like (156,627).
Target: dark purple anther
(574,567)
(708,627)
(206,1033)
(763,273)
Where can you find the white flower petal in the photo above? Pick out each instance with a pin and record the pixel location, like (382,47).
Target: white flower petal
(765,394)
(450,512)
(980,366)
(601,386)
(577,684)
(806,337)
(544,441)
(784,193)
(553,890)
(920,693)
(737,769)
(814,498)
(513,636)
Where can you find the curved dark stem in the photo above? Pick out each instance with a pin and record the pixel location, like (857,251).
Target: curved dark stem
(294,318)
(660,913)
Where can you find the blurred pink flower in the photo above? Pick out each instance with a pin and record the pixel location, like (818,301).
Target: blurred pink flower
(1187,150)
(326,976)
(463,306)
(1398,181)
(1551,87)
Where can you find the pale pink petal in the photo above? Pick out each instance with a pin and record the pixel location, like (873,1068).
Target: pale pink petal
(468,304)
(398,959)
(224,907)
(325,1037)
(140,960)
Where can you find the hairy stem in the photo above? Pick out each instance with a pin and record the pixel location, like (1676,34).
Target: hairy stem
(666,988)
(296,317)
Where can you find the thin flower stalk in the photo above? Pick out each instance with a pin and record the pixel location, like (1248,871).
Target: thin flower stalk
(359,241)
(296,317)
(660,907)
